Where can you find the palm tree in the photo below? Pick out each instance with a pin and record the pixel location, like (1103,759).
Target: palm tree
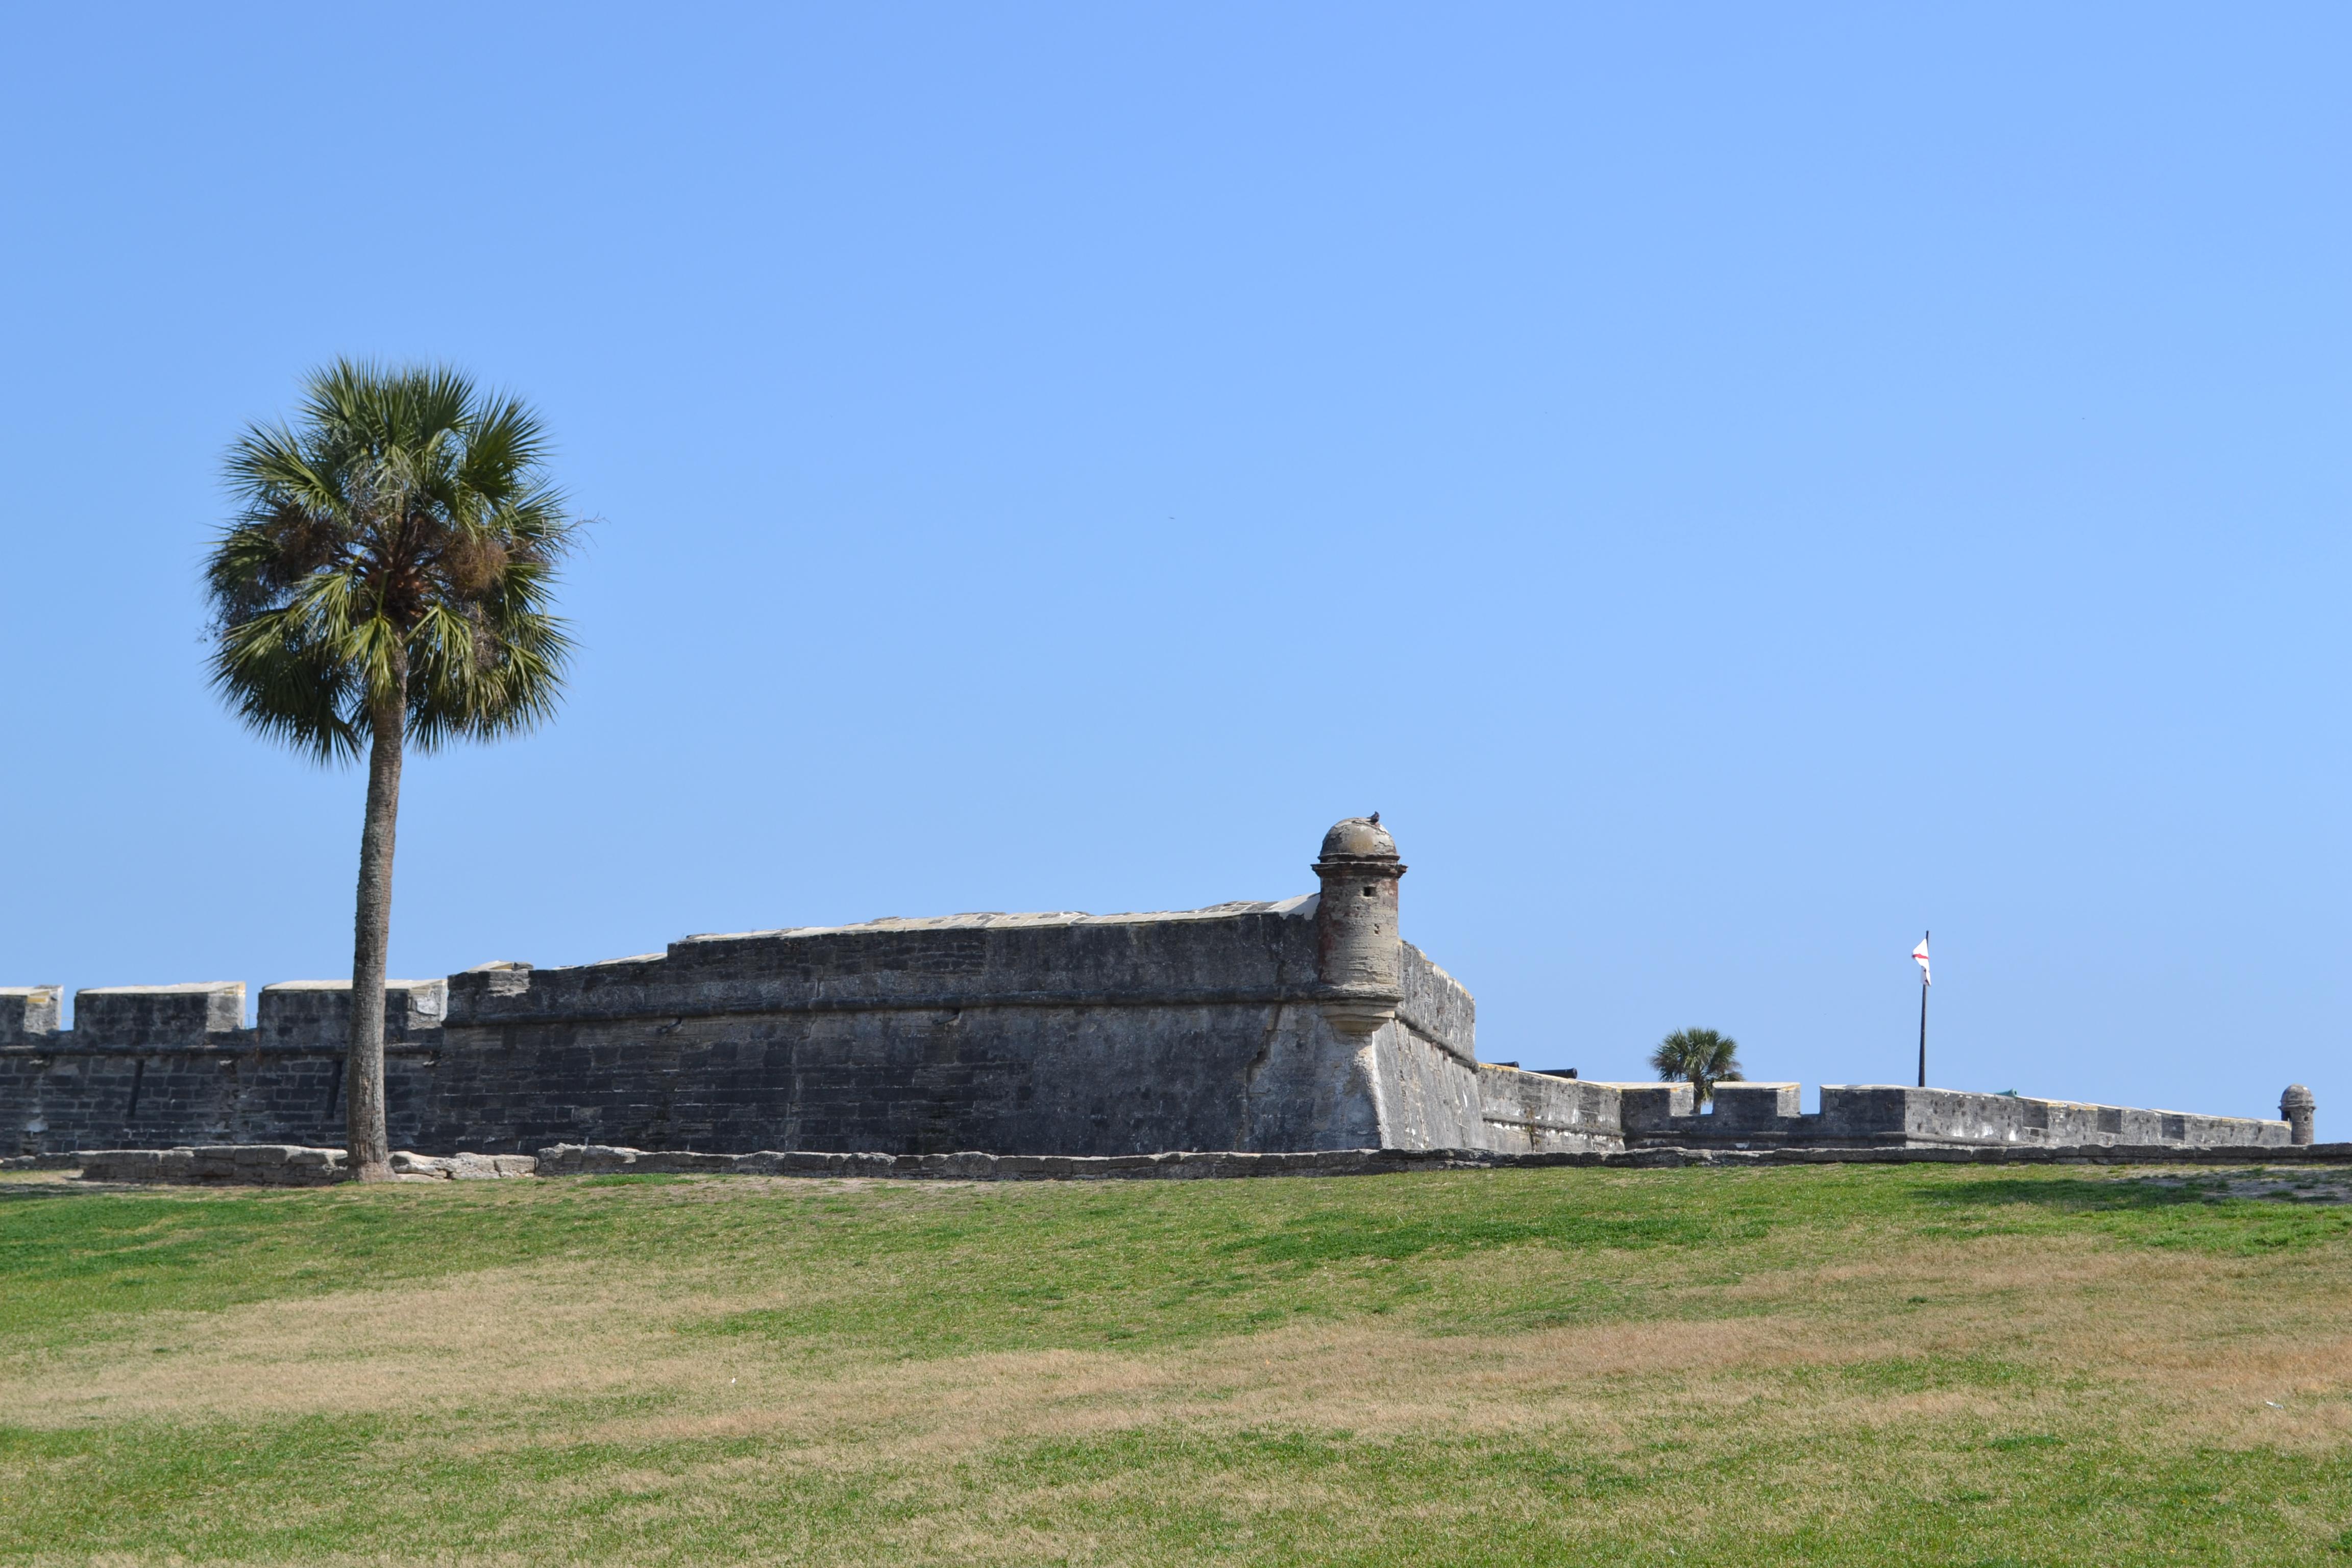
(387,580)
(1702,1056)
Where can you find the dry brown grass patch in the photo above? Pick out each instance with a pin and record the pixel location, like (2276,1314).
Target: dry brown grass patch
(2190,1343)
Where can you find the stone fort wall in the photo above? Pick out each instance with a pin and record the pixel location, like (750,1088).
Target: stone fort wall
(1013,1034)
(1299,1025)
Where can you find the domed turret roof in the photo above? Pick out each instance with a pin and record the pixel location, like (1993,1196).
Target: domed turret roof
(1357,839)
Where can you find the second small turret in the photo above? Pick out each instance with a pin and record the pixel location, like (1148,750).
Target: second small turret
(2297,1106)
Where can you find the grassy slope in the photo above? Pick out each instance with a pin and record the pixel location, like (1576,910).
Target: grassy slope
(1830,1365)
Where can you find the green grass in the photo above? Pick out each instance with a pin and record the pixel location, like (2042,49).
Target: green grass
(1823,1365)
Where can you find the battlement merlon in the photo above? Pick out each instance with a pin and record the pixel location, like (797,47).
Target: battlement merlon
(1752,1107)
(28,1013)
(158,1017)
(316,1014)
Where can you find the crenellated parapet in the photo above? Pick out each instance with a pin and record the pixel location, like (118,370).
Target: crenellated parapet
(294,1014)
(1766,1115)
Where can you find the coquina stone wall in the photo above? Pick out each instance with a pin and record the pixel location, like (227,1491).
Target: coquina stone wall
(1303,1025)
(1244,1026)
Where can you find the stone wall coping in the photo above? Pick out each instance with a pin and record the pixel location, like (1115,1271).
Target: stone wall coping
(187,988)
(997,919)
(270,1165)
(567,1012)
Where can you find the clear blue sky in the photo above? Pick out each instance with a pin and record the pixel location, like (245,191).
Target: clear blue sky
(1734,484)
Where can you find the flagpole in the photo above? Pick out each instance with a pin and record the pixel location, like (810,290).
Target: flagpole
(1923,1016)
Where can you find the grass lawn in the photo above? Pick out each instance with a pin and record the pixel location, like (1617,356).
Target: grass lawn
(1841,1365)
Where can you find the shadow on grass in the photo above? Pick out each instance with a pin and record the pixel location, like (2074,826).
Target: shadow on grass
(2068,1194)
(2138,1212)
(27,1191)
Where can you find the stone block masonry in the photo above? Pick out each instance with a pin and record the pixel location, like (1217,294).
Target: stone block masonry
(174,1064)
(1299,1025)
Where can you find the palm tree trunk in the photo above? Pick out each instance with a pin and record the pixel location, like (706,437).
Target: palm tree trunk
(370,1143)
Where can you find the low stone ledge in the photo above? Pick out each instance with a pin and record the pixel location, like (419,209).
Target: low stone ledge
(40,1162)
(278,1165)
(225,1164)
(603,1159)
(463,1167)
(594,1159)
(283,1165)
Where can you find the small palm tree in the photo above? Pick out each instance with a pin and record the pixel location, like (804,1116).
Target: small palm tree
(1702,1056)
(387,580)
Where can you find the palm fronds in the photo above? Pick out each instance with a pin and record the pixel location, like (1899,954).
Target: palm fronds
(396,542)
(1703,1057)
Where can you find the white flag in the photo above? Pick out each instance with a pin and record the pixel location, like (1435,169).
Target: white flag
(1920,953)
